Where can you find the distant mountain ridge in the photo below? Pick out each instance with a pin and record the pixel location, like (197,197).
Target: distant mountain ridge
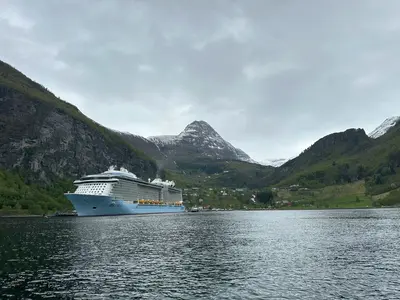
(277,162)
(208,143)
(379,131)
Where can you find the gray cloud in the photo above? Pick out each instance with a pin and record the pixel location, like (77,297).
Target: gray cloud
(270,76)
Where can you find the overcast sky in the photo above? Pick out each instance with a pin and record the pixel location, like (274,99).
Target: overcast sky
(271,77)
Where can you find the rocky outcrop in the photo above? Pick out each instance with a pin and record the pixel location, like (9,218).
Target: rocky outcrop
(48,139)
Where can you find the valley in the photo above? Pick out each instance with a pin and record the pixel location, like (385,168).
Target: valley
(46,143)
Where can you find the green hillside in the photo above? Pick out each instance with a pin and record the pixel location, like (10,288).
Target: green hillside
(221,173)
(350,195)
(350,160)
(19,198)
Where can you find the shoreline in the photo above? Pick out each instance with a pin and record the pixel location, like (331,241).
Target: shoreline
(202,211)
(22,216)
(294,209)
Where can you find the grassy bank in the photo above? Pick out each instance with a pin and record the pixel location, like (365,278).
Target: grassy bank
(352,195)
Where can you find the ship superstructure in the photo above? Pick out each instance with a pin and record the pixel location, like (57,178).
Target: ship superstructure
(117,192)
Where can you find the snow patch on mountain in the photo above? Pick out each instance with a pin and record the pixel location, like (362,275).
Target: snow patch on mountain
(384,127)
(131,134)
(275,162)
(162,140)
(243,156)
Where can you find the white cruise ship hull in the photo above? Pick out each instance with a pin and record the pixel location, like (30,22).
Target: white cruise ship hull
(98,205)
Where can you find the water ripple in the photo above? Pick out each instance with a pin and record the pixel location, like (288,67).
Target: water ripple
(338,254)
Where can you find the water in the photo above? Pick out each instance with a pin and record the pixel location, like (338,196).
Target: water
(332,254)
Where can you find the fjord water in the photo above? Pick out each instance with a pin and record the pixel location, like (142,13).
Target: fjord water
(330,254)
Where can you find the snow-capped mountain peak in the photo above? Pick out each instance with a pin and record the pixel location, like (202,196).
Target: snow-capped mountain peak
(199,129)
(200,133)
(199,126)
(201,136)
(194,131)
(384,127)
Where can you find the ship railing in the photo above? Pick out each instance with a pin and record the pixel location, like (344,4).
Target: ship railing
(158,202)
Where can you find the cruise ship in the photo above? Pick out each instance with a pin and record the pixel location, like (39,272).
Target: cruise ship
(120,192)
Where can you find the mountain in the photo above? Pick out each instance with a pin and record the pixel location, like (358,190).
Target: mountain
(198,140)
(328,151)
(384,127)
(45,143)
(47,140)
(331,147)
(346,157)
(200,156)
